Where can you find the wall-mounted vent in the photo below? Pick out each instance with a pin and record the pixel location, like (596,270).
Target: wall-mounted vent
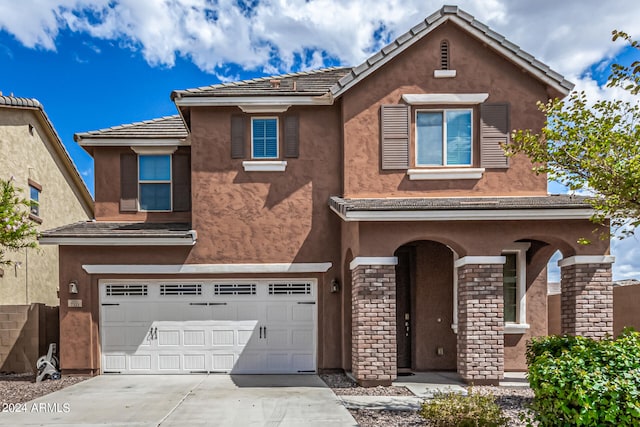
(126,290)
(289,288)
(444,55)
(234,289)
(181,289)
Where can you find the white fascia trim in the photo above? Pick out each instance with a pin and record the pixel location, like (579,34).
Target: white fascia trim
(444,74)
(264,166)
(516,328)
(469,215)
(445,173)
(127,142)
(248,102)
(371,260)
(148,150)
(480,260)
(586,259)
(445,98)
(312,267)
(510,55)
(120,241)
(255,109)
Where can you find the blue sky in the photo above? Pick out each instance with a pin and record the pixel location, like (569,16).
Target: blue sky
(100,63)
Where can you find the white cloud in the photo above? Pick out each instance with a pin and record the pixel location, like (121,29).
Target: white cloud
(568,35)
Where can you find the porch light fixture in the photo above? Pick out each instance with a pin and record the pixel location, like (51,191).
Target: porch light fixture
(73,287)
(335,286)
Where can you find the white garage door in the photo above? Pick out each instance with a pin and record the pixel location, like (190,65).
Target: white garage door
(239,327)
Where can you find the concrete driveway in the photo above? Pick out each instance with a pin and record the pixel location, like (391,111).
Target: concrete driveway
(187,400)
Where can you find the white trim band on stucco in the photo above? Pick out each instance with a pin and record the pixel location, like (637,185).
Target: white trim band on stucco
(472,214)
(188,240)
(480,260)
(372,260)
(445,98)
(586,259)
(299,267)
(445,173)
(264,165)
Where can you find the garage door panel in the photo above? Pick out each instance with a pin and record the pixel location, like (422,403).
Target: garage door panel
(169,362)
(302,338)
(302,313)
(195,362)
(140,362)
(223,337)
(114,362)
(194,338)
(222,362)
(277,313)
(168,338)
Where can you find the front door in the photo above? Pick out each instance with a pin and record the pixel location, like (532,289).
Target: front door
(405,255)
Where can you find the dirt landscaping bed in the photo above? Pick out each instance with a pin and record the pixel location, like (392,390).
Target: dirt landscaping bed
(21,388)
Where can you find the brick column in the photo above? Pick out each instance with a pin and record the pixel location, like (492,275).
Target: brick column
(374,352)
(480,319)
(586,296)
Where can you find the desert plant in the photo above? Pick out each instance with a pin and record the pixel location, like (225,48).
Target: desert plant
(457,410)
(579,381)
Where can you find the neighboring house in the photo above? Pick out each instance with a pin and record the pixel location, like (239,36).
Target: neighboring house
(34,156)
(361,218)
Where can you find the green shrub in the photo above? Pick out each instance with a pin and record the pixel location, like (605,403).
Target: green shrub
(456,410)
(578,381)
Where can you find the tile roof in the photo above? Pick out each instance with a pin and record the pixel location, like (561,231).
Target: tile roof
(97,229)
(317,82)
(337,80)
(417,32)
(563,201)
(13,101)
(171,127)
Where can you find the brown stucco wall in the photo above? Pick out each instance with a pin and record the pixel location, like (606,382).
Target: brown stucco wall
(28,153)
(479,70)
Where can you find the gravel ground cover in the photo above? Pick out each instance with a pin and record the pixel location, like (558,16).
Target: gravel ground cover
(514,401)
(21,388)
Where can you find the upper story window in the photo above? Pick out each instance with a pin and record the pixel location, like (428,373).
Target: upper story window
(154,182)
(34,199)
(443,137)
(264,138)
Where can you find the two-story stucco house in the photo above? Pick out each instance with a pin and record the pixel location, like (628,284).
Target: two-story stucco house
(33,155)
(360,218)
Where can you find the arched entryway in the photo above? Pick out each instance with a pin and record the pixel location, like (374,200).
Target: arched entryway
(424,307)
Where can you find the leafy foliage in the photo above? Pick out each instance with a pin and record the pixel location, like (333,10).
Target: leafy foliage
(578,381)
(16,229)
(594,148)
(453,409)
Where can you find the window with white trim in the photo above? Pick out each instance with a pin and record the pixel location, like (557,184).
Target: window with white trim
(264,138)
(515,287)
(154,182)
(34,200)
(444,137)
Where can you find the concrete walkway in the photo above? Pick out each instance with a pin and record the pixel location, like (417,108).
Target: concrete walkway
(187,400)
(423,385)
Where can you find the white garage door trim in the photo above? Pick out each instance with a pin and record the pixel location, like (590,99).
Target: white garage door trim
(241,326)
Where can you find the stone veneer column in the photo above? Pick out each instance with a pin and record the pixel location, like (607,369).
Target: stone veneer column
(480,319)
(373,345)
(586,296)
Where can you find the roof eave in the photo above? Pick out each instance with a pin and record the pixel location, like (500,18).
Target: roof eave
(465,214)
(93,141)
(253,101)
(187,239)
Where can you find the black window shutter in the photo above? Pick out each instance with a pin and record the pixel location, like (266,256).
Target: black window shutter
(291,136)
(394,123)
(494,132)
(181,180)
(238,127)
(128,182)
